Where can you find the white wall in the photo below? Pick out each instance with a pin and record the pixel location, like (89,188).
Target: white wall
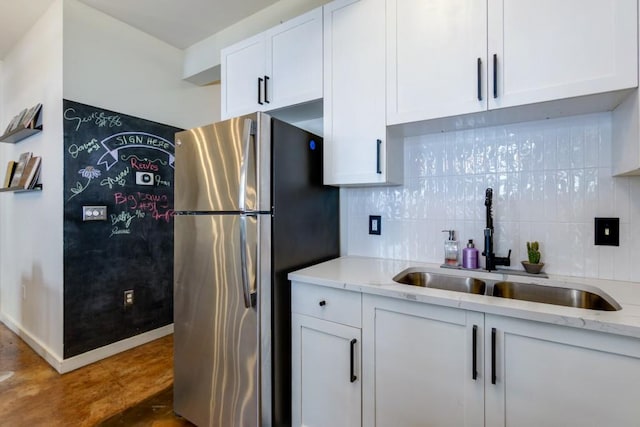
(112,65)
(77,53)
(550,179)
(31,283)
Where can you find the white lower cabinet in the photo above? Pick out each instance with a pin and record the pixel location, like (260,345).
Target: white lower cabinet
(418,364)
(548,375)
(361,359)
(325,359)
(422,366)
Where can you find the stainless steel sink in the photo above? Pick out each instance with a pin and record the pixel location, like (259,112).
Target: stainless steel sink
(588,297)
(569,297)
(416,277)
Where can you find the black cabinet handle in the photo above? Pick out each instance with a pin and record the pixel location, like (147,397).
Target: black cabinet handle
(352,362)
(495,75)
(493,355)
(266,85)
(479,79)
(378,148)
(260,90)
(322,303)
(474,356)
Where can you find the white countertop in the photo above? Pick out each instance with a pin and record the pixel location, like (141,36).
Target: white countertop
(374,276)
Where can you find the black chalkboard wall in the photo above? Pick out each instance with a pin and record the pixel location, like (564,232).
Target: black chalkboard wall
(126,164)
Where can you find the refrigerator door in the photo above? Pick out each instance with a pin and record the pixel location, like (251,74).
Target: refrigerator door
(216,341)
(219,166)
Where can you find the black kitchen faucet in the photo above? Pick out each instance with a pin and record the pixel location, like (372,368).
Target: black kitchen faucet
(491,260)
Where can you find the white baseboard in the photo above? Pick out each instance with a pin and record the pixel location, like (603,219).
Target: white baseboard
(67,365)
(75,362)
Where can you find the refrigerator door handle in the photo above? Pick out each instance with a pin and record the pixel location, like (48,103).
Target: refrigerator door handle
(249,298)
(244,166)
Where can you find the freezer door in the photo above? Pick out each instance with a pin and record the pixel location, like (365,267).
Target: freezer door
(217,167)
(216,357)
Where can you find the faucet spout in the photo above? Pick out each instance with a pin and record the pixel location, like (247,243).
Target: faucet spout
(491,261)
(488,203)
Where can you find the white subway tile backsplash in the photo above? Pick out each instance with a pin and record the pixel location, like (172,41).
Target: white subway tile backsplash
(550,179)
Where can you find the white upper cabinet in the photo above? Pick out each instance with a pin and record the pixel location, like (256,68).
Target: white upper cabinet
(433,51)
(454,57)
(356,150)
(294,61)
(550,49)
(243,70)
(278,68)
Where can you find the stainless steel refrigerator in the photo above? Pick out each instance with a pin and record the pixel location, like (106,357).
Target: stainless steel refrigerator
(250,207)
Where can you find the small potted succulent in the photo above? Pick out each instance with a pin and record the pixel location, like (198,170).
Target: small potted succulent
(533,265)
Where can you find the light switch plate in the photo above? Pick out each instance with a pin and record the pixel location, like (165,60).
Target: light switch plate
(607,231)
(94,213)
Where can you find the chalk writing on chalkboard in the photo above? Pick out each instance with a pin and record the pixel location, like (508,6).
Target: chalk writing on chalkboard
(88,172)
(88,147)
(122,162)
(119,179)
(129,140)
(99,118)
(125,164)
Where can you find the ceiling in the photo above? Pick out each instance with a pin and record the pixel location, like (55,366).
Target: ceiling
(16,18)
(180,23)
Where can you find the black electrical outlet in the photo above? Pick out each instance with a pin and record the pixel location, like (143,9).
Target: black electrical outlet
(607,231)
(375,224)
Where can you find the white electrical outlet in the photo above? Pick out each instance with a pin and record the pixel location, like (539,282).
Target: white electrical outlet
(94,213)
(375,224)
(128,298)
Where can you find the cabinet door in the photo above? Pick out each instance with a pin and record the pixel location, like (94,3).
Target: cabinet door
(242,65)
(326,383)
(436,58)
(549,375)
(549,49)
(355,146)
(294,61)
(418,365)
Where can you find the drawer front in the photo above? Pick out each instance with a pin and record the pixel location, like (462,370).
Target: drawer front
(335,305)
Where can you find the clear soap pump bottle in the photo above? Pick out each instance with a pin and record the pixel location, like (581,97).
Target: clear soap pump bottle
(451,249)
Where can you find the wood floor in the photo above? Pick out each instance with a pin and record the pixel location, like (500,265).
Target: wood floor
(34,394)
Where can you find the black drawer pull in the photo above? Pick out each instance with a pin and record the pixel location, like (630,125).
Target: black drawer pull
(493,355)
(322,303)
(479,79)
(495,75)
(352,362)
(474,356)
(266,86)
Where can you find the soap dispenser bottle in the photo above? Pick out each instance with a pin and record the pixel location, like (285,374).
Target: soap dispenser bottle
(470,256)
(451,249)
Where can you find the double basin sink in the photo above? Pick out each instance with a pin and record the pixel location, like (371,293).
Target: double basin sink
(593,299)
